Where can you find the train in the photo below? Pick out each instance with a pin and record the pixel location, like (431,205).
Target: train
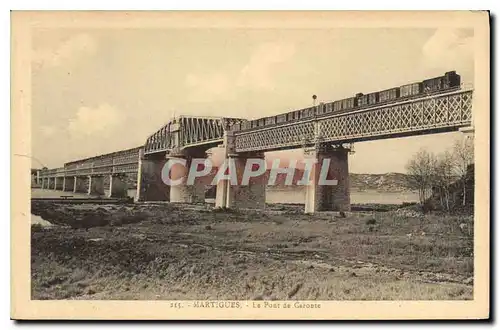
(448,82)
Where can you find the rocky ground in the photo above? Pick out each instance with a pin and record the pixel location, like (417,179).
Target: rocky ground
(168,251)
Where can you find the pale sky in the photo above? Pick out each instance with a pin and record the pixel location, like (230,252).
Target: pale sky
(96,91)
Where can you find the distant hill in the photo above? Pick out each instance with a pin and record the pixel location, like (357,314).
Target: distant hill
(394,182)
(380,182)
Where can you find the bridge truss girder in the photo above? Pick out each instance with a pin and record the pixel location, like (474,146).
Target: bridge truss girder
(420,116)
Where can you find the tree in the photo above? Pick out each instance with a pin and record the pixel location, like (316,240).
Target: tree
(444,177)
(420,171)
(463,151)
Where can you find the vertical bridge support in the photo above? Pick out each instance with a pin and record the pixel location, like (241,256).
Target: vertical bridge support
(150,186)
(184,192)
(58,183)
(251,194)
(332,197)
(96,185)
(68,183)
(241,194)
(79,184)
(117,186)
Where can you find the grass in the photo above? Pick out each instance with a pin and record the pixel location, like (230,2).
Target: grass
(187,254)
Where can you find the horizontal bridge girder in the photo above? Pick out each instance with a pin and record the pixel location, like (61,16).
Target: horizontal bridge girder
(125,161)
(419,116)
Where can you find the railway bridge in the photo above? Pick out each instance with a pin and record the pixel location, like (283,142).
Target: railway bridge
(322,137)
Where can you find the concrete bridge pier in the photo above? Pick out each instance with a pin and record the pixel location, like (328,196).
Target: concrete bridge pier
(117,186)
(96,185)
(79,184)
(328,191)
(58,183)
(182,191)
(150,186)
(68,183)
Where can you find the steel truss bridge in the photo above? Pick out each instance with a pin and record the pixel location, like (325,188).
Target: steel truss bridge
(424,115)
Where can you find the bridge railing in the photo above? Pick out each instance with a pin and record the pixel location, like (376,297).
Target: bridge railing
(121,162)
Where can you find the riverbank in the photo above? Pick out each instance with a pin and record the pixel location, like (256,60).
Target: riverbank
(194,252)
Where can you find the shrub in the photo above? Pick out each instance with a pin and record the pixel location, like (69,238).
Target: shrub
(371,221)
(36,227)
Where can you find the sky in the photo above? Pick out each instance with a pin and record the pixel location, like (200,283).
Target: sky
(96,91)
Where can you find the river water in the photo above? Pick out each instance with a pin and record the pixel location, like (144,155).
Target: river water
(357,197)
(280,196)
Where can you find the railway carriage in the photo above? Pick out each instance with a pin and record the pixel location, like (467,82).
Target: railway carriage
(309,112)
(344,104)
(448,82)
(281,118)
(366,99)
(270,120)
(410,90)
(388,95)
(328,107)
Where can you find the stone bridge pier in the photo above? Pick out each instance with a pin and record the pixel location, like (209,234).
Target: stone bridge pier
(96,185)
(182,163)
(150,186)
(51,182)
(68,183)
(58,183)
(328,185)
(244,182)
(118,187)
(79,184)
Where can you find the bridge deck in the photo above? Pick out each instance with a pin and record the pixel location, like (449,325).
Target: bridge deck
(425,115)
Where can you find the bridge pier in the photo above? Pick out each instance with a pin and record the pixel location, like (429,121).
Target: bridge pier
(96,185)
(185,192)
(150,186)
(250,191)
(117,186)
(328,191)
(68,183)
(58,183)
(79,184)
(44,183)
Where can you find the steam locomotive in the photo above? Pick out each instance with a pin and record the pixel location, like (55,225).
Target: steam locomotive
(450,81)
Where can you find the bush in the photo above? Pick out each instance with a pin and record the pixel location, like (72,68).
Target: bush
(371,221)
(36,227)
(223,210)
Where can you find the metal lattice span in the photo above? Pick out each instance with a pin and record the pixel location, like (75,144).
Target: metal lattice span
(185,132)
(418,116)
(121,162)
